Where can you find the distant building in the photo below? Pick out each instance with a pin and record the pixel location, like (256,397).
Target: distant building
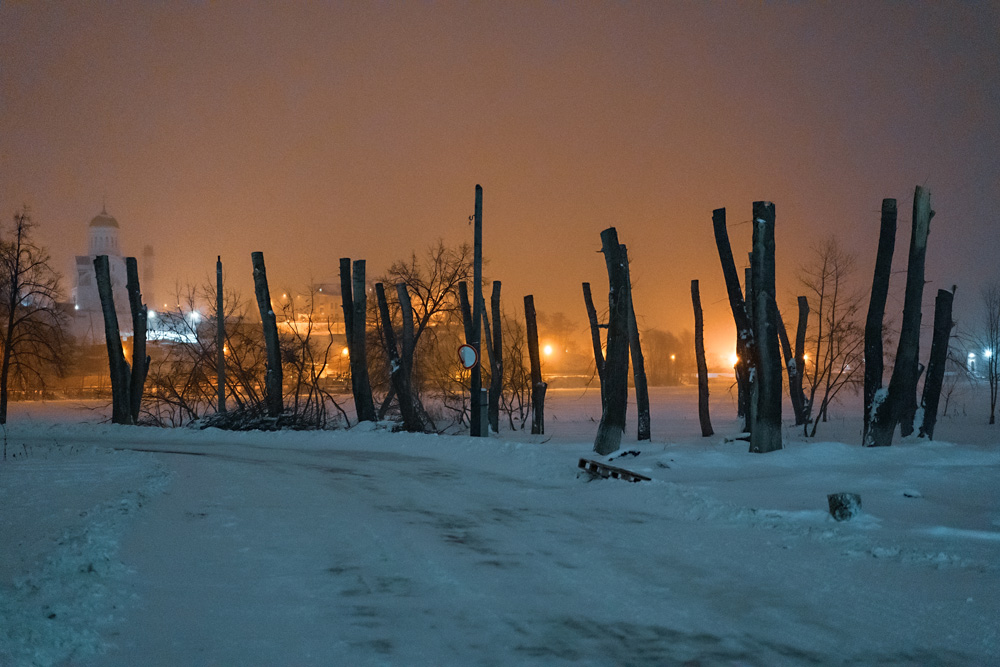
(88,319)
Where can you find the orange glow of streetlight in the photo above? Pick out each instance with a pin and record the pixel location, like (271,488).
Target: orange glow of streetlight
(547,350)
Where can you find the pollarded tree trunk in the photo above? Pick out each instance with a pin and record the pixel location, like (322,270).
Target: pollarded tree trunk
(397,366)
(220,338)
(595,336)
(938,359)
(874,361)
(612,426)
(765,434)
(538,387)
(744,333)
(899,404)
(638,363)
(699,353)
(476,427)
(794,381)
(800,359)
(120,371)
(358,350)
(354,300)
(273,377)
(140,361)
(496,357)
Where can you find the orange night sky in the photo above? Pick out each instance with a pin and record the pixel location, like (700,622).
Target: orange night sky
(314,131)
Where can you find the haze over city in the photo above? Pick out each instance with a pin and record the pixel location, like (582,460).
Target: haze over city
(316,131)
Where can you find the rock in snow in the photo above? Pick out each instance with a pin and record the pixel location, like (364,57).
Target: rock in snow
(844,506)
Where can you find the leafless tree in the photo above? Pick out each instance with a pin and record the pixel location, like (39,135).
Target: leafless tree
(32,327)
(836,334)
(987,340)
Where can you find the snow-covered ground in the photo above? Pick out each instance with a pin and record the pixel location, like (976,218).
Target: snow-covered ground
(364,547)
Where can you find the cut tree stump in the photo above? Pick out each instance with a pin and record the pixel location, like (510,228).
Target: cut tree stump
(604,471)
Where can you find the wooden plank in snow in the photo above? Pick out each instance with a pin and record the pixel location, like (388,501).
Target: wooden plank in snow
(605,471)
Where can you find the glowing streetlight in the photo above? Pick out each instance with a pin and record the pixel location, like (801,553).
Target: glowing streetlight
(987,353)
(345,352)
(734,359)
(547,350)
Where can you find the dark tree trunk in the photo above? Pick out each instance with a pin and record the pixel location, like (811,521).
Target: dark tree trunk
(612,426)
(358,349)
(800,358)
(699,353)
(354,298)
(273,377)
(220,337)
(638,363)
(938,359)
(595,336)
(901,402)
(466,308)
(538,387)
(140,362)
(765,434)
(744,333)
(753,360)
(476,427)
(794,381)
(119,368)
(398,370)
(874,360)
(496,357)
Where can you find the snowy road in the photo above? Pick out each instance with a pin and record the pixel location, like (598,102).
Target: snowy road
(370,548)
(278,556)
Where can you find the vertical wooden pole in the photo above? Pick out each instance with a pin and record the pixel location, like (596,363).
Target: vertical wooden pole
(475,425)
(273,376)
(220,335)
(538,387)
(744,332)
(699,352)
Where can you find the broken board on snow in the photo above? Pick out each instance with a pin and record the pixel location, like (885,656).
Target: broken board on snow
(603,470)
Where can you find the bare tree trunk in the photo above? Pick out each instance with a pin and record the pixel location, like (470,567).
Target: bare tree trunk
(638,363)
(354,298)
(794,381)
(120,371)
(398,370)
(612,426)
(874,360)
(900,405)
(765,434)
(358,350)
(595,336)
(140,362)
(800,359)
(273,378)
(475,426)
(496,357)
(744,333)
(699,353)
(538,387)
(753,359)
(220,337)
(938,359)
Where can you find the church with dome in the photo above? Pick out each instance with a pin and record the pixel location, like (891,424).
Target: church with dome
(88,319)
